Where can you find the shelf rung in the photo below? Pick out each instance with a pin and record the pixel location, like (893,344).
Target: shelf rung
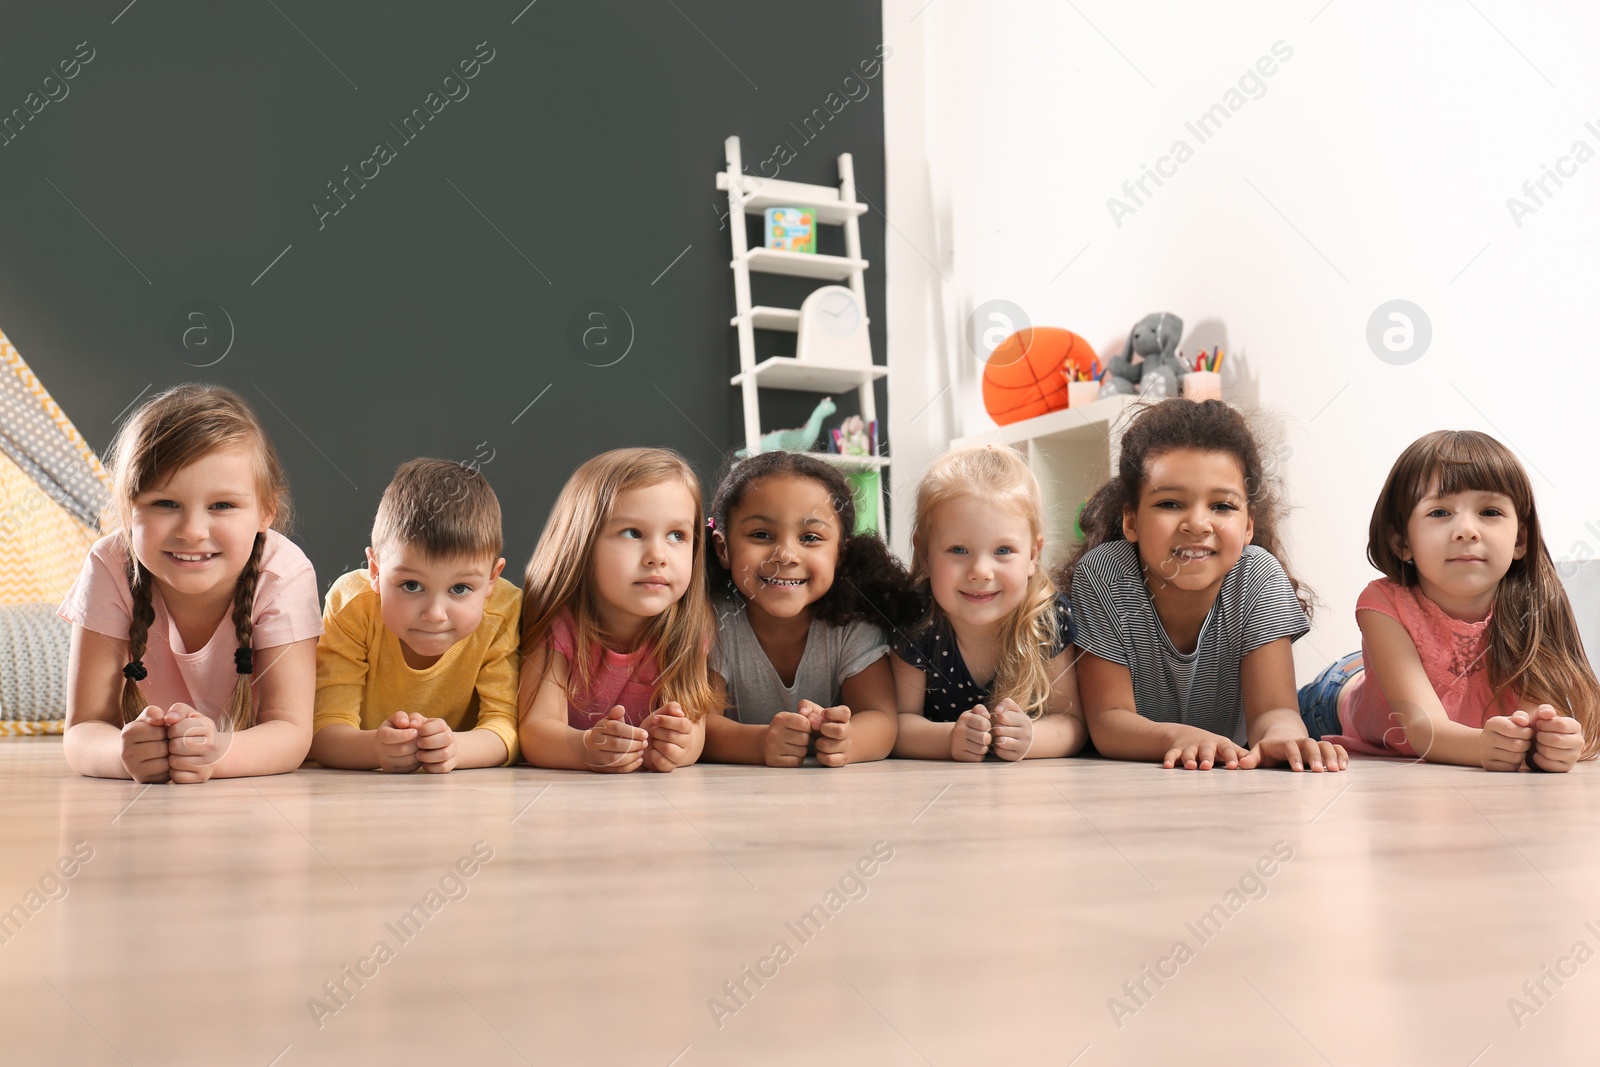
(800,264)
(786,372)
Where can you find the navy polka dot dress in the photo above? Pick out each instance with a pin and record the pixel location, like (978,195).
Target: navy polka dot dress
(948,686)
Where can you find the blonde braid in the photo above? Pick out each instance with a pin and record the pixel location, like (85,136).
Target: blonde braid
(141,584)
(241,711)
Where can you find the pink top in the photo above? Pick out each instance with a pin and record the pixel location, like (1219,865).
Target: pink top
(628,680)
(1454,654)
(287,610)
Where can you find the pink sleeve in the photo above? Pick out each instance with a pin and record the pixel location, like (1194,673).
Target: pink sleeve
(560,635)
(1379,596)
(287,608)
(99,599)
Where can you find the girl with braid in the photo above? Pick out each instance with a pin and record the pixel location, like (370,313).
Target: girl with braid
(194,621)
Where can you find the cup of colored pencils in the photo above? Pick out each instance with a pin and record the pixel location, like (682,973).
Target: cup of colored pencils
(1204,382)
(1083,386)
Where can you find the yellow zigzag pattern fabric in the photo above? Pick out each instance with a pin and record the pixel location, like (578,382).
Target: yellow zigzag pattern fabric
(42,547)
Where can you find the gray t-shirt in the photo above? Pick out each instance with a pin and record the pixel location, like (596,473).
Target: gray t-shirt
(1118,623)
(756,693)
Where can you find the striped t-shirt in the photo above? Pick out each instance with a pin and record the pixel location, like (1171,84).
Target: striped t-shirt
(1117,622)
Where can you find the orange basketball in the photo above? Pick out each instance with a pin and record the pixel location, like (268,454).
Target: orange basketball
(1025,374)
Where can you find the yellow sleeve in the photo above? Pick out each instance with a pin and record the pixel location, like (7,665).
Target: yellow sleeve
(342,653)
(498,676)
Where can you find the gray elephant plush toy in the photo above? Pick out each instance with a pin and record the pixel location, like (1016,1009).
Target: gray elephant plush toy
(1149,364)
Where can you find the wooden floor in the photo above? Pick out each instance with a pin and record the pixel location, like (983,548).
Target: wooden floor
(612,920)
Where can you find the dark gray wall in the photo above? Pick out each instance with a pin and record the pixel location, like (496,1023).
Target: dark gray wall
(194,143)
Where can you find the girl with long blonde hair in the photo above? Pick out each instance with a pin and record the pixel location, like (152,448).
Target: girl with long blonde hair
(616,621)
(989,668)
(194,620)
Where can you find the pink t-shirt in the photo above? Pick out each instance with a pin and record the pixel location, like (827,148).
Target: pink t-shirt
(286,610)
(1454,654)
(628,680)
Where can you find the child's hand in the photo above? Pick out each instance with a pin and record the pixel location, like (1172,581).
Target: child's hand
(193,746)
(833,737)
(1504,741)
(671,734)
(788,738)
(1298,753)
(397,742)
(1202,750)
(436,746)
(1557,740)
(144,746)
(970,738)
(612,746)
(1013,730)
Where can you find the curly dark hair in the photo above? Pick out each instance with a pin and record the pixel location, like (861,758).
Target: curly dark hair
(869,583)
(1207,426)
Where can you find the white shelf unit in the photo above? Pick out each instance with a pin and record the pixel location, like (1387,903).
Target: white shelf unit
(1072,452)
(749,195)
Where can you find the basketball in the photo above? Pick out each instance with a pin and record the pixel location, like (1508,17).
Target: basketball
(1024,376)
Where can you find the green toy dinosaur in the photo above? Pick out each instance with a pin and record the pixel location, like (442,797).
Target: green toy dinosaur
(796,440)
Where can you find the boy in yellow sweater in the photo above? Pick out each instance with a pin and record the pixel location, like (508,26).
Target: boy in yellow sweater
(417,665)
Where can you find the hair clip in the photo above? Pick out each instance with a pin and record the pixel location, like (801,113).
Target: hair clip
(711,524)
(243,661)
(134,671)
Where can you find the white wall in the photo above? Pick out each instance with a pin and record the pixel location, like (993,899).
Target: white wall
(1376,164)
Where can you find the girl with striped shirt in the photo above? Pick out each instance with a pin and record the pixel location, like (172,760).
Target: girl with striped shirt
(1185,612)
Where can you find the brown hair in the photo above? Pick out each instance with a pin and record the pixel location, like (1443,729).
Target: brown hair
(558,578)
(1534,646)
(1206,426)
(1001,480)
(167,433)
(869,583)
(444,508)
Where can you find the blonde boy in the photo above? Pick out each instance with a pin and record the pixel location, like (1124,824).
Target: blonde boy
(417,665)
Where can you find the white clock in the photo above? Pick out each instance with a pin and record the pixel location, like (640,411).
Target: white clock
(833,329)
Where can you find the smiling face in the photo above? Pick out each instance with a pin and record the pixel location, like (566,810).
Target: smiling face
(979,560)
(1462,544)
(196,529)
(643,557)
(1192,523)
(430,604)
(781,545)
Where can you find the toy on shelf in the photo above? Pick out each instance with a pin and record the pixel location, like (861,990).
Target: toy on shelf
(857,437)
(797,440)
(791,229)
(1149,364)
(1027,374)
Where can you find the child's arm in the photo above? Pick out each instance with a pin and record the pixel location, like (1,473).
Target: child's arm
(547,741)
(492,740)
(286,686)
(1120,732)
(864,727)
(675,739)
(1272,714)
(1391,656)
(96,743)
(967,739)
(781,743)
(1060,731)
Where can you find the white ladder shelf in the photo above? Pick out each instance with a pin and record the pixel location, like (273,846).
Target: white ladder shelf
(749,195)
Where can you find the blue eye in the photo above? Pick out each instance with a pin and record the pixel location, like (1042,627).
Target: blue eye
(957,550)
(461,589)
(411,585)
(678,535)
(631,534)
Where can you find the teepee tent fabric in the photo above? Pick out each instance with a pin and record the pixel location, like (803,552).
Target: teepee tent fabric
(52,489)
